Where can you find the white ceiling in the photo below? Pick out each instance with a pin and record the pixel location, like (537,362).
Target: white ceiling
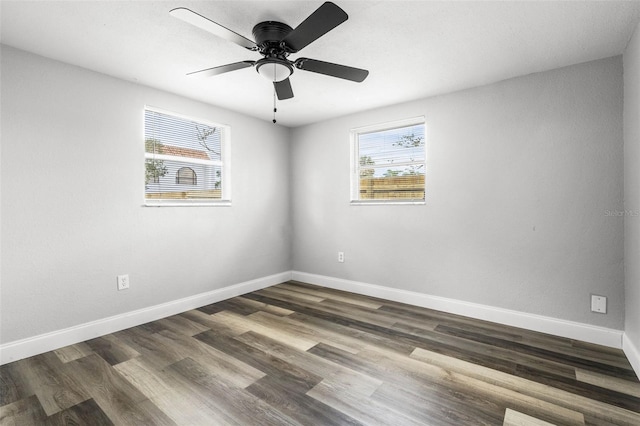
(412,49)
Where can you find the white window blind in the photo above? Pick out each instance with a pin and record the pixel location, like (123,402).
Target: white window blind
(389,163)
(186,160)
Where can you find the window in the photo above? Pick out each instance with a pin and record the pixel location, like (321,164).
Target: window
(186,160)
(388,163)
(186,176)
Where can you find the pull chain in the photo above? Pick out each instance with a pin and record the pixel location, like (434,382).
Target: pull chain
(274,106)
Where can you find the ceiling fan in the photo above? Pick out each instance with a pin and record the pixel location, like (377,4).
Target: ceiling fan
(275,41)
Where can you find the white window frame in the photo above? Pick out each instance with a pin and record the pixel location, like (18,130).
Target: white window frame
(355,161)
(224,163)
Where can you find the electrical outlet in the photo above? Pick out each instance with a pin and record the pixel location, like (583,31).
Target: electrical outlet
(598,304)
(123,282)
(341,256)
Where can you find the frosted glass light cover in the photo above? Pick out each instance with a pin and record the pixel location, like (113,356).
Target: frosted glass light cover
(274,71)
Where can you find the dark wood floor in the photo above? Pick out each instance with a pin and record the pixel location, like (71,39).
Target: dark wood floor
(301,354)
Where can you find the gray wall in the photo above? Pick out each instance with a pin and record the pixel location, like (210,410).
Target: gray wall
(72,195)
(632,187)
(519,177)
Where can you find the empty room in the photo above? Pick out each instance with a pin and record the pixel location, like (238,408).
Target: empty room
(320,213)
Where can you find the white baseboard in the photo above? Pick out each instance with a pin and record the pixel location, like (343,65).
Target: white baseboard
(24,348)
(632,353)
(558,327)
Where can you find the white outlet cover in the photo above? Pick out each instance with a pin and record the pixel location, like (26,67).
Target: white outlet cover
(598,304)
(123,282)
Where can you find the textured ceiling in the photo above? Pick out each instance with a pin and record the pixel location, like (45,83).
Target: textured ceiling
(412,49)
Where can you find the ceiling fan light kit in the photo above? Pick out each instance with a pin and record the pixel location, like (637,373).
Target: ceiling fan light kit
(274,69)
(275,41)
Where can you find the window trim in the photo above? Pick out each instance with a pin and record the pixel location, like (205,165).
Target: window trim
(225,163)
(355,161)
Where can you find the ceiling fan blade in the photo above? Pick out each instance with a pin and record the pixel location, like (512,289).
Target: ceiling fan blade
(209,72)
(324,19)
(334,70)
(283,89)
(214,28)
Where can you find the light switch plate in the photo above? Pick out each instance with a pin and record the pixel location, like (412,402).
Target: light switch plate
(598,304)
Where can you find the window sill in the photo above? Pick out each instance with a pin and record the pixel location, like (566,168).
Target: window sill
(159,203)
(387,202)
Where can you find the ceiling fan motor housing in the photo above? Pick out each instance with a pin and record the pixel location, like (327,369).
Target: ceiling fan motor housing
(269,34)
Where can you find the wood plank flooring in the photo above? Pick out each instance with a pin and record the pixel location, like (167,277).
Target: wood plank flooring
(297,354)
